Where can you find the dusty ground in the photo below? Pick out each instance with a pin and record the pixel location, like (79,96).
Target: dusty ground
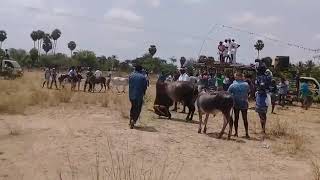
(80,140)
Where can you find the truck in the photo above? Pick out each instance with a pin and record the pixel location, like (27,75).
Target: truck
(10,69)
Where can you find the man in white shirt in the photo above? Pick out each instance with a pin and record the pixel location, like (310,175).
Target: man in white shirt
(234,47)
(98,73)
(183,75)
(226,51)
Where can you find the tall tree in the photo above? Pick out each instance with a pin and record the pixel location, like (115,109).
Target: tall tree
(182,61)
(40,36)
(34,37)
(152,50)
(47,43)
(3,37)
(173,60)
(56,34)
(72,46)
(259,46)
(34,54)
(309,66)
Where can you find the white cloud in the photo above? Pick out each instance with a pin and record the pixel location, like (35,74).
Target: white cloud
(153,3)
(317,36)
(250,18)
(192,1)
(123,15)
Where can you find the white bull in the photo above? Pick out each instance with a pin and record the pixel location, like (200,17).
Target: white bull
(120,81)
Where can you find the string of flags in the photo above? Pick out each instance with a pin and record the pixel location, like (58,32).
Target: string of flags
(272,39)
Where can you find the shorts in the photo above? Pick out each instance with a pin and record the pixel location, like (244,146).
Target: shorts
(262,109)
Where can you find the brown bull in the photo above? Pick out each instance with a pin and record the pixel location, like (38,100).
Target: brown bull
(169,92)
(211,103)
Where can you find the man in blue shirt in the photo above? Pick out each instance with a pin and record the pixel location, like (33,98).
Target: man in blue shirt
(137,88)
(263,83)
(240,90)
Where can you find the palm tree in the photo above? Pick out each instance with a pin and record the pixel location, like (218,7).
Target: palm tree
(182,61)
(47,43)
(173,60)
(152,50)
(34,37)
(40,36)
(56,34)
(3,36)
(72,46)
(259,46)
(309,66)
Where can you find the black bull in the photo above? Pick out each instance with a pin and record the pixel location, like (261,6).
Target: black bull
(169,92)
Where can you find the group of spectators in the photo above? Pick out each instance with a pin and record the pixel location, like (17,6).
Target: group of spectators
(227,51)
(50,74)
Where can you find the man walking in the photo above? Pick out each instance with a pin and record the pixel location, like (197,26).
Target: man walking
(263,83)
(306,95)
(137,89)
(240,90)
(46,78)
(53,78)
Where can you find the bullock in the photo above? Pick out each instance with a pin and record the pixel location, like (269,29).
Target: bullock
(92,80)
(118,81)
(66,78)
(179,91)
(212,102)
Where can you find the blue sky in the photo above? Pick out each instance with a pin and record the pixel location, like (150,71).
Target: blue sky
(177,27)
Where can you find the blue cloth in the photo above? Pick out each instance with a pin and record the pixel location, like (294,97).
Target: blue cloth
(304,89)
(263,83)
(261,102)
(211,82)
(137,86)
(240,90)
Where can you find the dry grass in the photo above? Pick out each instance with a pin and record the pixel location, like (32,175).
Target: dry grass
(289,138)
(315,170)
(121,165)
(279,128)
(17,95)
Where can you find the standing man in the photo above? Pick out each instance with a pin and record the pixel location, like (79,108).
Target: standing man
(240,90)
(46,77)
(137,89)
(219,81)
(234,47)
(263,83)
(225,52)
(283,90)
(221,49)
(306,98)
(53,78)
(183,75)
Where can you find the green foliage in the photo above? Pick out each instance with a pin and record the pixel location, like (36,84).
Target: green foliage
(34,54)
(259,46)
(154,65)
(58,60)
(72,46)
(86,58)
(17,54)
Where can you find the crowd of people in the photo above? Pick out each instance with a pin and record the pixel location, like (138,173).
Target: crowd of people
(227,51)
(264,89)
